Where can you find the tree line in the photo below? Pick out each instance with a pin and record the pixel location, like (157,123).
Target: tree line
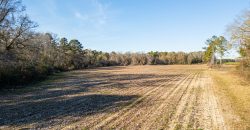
(27,55)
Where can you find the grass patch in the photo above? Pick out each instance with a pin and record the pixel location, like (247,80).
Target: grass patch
(236,90)
(231,63)
(178,127)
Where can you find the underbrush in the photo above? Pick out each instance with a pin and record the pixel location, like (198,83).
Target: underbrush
(16,76)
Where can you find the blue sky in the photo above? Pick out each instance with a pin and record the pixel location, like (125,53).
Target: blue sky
(136,25)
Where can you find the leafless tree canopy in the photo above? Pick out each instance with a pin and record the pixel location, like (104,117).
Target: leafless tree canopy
(27,56)
(15,26)
(240,35)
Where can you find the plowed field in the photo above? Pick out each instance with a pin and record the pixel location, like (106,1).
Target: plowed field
(133,97)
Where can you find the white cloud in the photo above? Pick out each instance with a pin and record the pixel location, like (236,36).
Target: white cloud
(101,12)
(81,17)
(97,16)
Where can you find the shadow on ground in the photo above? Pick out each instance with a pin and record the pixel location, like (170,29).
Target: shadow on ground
(72,96)
(45,111)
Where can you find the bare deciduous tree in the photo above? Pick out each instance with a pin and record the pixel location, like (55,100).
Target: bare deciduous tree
(15,26)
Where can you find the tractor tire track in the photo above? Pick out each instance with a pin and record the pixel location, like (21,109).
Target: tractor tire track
(126,110)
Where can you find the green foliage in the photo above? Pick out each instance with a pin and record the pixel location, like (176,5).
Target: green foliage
(242,51)
(208,53)
(215,45)
(64,42)
(75,46)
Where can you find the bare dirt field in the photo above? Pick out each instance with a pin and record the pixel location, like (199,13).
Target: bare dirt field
(133,97)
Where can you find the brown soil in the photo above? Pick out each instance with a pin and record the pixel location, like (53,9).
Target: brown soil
(133,97)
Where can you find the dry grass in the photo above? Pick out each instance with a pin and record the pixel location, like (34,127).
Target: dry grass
(234,93)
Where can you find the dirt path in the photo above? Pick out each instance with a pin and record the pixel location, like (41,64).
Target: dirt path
(138,97)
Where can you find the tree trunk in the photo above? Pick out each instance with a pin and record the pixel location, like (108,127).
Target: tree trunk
(212,59)
(220,61)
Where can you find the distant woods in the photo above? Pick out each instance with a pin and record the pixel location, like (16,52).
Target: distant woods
(26,55)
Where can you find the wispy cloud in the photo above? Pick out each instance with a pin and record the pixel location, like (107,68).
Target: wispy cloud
(101,12)
(80,16)
(97,17)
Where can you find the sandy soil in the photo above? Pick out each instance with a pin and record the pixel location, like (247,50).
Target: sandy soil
(133,97)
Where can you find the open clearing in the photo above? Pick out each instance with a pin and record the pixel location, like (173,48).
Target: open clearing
(133,97)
